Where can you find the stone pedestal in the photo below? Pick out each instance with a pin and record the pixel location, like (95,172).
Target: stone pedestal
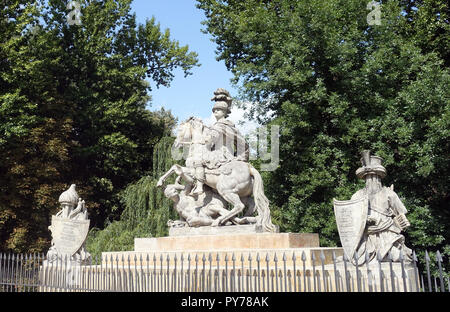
(265,261)
(227,241)
(219,250)
(61,274)
(216,230)
(373,278)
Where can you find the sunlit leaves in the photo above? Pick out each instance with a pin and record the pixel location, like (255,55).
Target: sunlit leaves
(337,86)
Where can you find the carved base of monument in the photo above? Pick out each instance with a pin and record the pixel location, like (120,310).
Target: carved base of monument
(227,241)
(62,274)
(216,230)
(371,279)
(271,245)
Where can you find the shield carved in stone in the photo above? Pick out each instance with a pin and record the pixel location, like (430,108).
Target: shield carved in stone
(69,235)
(351,216)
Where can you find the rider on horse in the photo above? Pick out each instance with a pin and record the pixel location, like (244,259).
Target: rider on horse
(218,157)
(223,141)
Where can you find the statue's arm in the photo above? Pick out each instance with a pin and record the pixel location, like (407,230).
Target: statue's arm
(396,204)
(399,210)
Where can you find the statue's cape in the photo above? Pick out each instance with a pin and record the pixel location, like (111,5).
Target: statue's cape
(232,137)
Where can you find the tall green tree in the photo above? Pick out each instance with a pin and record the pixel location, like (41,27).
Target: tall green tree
(73,109)
(34,130)
(428,25)
(338,85)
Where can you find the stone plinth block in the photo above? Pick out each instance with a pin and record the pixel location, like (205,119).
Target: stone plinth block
(373,278)
(227,241)
(216,230)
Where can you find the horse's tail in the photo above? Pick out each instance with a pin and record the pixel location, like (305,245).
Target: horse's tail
(261,202)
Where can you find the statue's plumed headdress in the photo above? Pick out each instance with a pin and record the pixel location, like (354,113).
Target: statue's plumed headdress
(223,99)
(370,165)
(70,196)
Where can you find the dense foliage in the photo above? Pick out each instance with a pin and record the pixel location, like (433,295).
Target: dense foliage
(338,85)
(73,109)
(146,209)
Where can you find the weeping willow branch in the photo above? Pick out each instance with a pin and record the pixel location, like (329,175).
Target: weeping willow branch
(146,209)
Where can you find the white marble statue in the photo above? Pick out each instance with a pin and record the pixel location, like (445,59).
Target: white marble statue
(69,229)
(382,215)
(200,210)
(218,157)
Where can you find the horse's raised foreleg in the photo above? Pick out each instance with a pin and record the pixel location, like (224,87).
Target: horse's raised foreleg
(178,170)
(165,175)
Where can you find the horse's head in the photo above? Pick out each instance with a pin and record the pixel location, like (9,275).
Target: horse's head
(196,122)
(184,135)
(186,130)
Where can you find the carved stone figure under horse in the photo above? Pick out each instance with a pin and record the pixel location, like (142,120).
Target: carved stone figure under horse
(238,182)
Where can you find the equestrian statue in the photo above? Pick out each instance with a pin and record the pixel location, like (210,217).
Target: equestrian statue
(217,168)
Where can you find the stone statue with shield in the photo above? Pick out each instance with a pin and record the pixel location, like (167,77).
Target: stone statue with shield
(217,162)
(70,227)
(371,222)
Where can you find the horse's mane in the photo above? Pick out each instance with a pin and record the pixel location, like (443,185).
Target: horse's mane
(192,118)
(186,132)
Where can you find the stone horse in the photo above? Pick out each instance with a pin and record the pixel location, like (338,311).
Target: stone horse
(238,182)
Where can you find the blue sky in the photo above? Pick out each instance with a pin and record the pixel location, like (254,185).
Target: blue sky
(189,96)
